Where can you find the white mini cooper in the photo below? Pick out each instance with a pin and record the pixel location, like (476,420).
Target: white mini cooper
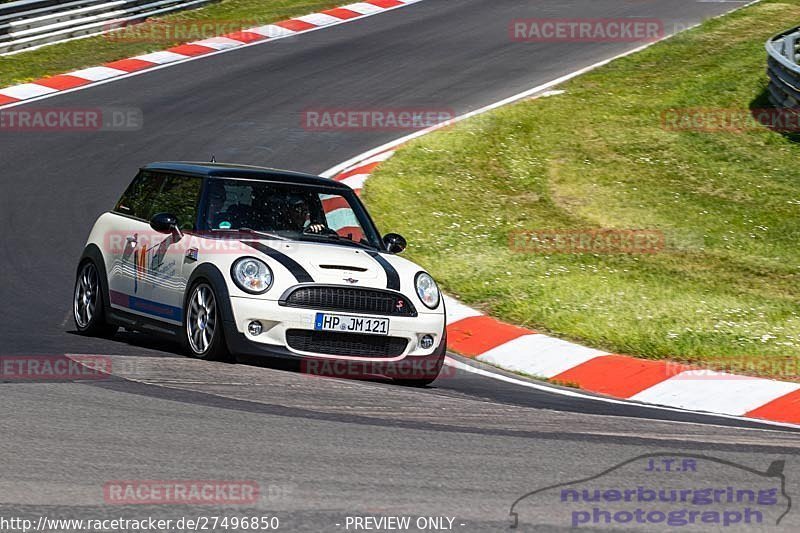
(239,260)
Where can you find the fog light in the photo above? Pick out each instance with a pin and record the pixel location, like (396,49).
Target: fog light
(426,342)
(255,328)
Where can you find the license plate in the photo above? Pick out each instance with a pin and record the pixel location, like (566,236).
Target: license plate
(351,324)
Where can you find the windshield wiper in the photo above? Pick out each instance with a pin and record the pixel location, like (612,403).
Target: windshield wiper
(252,232)
(339,239)
(263,234)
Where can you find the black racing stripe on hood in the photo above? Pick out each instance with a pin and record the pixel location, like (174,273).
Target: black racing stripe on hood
(300,273)
(392,277)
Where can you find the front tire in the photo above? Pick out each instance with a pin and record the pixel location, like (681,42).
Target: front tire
(88,303)
(202,333)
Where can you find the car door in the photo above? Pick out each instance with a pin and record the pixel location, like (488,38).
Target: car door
(129,243)
(147,275)
(165,259)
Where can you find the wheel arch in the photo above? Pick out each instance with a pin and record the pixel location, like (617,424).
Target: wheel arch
(211,274)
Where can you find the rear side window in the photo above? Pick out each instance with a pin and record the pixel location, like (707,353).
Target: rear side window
(179,196)
(142,192)
(152,192)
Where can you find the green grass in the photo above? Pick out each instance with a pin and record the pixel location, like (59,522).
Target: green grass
(73,55)
(726,289)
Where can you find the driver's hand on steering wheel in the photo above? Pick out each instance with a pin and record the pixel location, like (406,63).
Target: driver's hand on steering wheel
(315,228)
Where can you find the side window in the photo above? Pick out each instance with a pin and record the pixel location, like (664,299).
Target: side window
(230,205)
(179,196)
(137,201)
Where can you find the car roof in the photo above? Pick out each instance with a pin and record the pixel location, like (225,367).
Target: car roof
(226,170)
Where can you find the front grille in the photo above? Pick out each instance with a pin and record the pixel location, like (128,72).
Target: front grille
(350,299)
(345,344)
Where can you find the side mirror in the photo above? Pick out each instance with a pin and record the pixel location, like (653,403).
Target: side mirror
(394,243)
(164,223)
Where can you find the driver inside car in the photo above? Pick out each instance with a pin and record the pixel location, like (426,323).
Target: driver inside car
(300,216)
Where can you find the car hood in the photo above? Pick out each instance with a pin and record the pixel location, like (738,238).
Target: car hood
(336,264)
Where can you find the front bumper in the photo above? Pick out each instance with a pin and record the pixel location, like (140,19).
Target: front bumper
(419,368)
(276,319)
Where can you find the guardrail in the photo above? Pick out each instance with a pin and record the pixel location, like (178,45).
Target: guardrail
(783,68)
(33,23)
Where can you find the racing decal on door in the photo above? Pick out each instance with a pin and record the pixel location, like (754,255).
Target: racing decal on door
(147,307)
(139,267)
(147,279)
(153,266)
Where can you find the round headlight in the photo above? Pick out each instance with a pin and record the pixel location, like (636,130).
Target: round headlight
(251,275)
(427,290)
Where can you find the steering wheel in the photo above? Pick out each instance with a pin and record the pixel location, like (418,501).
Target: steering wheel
(319,229)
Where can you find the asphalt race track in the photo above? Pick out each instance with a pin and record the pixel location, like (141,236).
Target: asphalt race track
(320,449)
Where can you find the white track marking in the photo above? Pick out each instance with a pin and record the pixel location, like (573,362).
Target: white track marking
(575,394)
(273,31)
(380,158)
(363,8)
(219,43)
(457,311)
(715,391)
(96,73)
(27,90)
(319,19)
(538,355)
(356,181)
(161,58)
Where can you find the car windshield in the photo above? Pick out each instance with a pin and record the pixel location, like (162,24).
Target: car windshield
(298,212)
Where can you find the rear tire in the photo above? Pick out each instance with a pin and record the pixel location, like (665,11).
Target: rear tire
(88,303)
(202,336)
